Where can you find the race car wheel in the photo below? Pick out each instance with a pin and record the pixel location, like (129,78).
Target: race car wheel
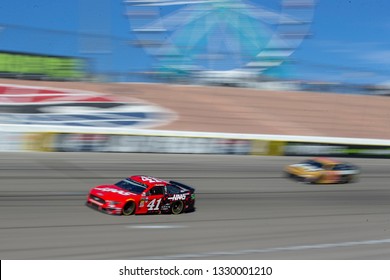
(346,179)
(177,207)
(310,180)
(129,208)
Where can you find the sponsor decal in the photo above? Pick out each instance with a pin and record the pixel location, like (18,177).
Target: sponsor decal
(121,192)
(178,197)
(154,205)
(165,207)
(152,179)
(307,167)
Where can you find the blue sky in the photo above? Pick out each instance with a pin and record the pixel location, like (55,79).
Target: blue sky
(349,42)
(352,36)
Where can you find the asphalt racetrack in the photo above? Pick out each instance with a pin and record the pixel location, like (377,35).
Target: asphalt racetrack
(246,209)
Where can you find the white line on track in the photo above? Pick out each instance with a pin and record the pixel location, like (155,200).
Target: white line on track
(275,249)
(156,226)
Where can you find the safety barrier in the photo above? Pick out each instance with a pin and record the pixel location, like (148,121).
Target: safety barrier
(13,138)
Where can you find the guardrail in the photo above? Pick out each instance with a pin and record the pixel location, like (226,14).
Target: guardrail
(51,139)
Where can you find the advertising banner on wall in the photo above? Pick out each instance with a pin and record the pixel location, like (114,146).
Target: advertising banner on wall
(267,148)
(318,149)
(79,142)
(11,141)
(121,143)
(41,67)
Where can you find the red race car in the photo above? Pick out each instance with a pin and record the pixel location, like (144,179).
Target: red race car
(141,194)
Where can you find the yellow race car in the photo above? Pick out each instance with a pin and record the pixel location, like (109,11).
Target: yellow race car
(322,170)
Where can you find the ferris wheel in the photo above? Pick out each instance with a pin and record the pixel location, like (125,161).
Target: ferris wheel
(220,35)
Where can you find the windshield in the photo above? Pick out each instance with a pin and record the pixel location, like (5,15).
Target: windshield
(130,185)
(313,163)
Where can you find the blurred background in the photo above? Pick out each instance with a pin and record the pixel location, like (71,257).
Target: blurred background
(187,90)
(338,46)
(115,66)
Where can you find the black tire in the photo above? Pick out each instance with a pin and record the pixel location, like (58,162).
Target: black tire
(347,179)
(129,208)
(177,207)
(311,181)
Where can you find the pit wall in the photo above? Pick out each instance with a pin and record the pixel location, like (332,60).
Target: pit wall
(192,143)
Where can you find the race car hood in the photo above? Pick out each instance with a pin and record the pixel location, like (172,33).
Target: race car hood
(302,168)
(111,192)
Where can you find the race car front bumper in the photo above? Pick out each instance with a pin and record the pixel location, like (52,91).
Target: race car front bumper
(301,178)
(100,208)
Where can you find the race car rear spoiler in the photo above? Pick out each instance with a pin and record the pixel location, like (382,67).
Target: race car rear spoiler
(191,189)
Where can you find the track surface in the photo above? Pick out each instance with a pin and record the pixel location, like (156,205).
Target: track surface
(245,210)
